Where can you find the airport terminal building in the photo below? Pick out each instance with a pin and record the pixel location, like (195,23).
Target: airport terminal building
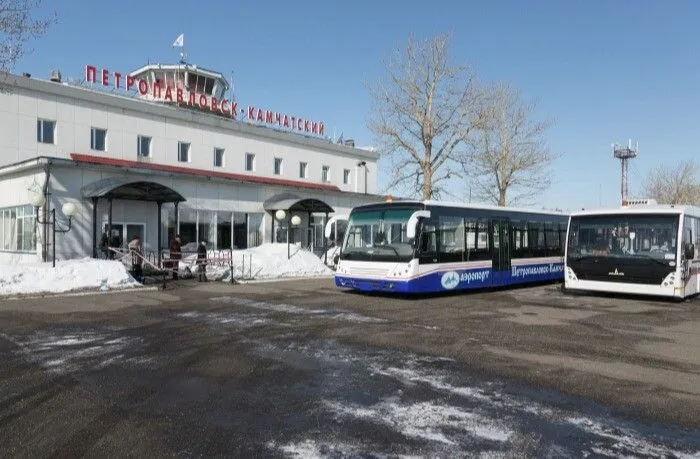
(165,149)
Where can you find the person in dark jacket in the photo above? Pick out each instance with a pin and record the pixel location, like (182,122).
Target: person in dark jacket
(202,261)
(175,254)
(104,245)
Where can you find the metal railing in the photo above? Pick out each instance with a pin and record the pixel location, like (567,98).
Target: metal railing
(172,262)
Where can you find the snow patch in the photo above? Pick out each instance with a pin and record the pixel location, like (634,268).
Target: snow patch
(267,261)
(426,420)
(85,273)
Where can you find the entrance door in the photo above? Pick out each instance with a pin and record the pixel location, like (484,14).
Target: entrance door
(122,233)
(500,246)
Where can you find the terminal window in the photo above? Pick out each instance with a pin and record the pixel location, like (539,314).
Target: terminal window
(325,174)
(98,139)
(45,131)
(218,157)
(144,146)
(278,166)
(249,162)
(183,152)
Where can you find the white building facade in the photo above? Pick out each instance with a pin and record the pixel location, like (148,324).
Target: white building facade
(135,164)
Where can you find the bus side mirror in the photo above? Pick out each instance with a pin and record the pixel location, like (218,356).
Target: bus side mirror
(328,230)
(412,223)
(689,251)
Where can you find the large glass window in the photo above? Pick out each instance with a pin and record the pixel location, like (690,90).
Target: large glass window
(45,131)
(18,229)
(223,230)
(240,230)
(188,229)
(98,139)
(624,236)
(255,229)
(377,235)
(206,227)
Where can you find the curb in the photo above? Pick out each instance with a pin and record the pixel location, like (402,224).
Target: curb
(86,293)
(279,279)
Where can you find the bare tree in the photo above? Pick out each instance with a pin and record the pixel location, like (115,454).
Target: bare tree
(674,185)
(423,110)
(508,161)
(17,26)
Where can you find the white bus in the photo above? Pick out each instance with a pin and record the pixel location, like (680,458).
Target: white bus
(426,246)
(641,248)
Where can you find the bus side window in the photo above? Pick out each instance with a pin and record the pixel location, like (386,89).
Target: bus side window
(451,241)
(537,241)
(482,250)
(520,245)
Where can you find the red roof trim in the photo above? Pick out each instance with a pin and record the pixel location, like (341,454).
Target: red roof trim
(90,159)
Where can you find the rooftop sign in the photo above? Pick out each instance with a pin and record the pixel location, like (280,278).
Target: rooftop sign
(180,96)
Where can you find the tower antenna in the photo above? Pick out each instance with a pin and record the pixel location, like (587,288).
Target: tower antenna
(624,154)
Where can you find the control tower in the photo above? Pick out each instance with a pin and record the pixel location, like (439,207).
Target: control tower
(183,76)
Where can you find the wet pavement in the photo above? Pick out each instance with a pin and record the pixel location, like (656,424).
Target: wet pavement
(235,375)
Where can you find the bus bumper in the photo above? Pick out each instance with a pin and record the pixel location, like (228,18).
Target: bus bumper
(373,285)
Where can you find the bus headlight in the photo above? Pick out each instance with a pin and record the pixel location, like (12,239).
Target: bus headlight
(669,280)
(570,274)
(400,270)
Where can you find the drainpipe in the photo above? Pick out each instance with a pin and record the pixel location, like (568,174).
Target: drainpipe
(45,210)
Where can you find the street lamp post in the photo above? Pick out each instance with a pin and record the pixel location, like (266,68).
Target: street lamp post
(69,210)
(295,221)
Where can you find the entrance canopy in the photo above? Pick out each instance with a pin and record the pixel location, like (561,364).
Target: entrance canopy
(133,190)
(294,203)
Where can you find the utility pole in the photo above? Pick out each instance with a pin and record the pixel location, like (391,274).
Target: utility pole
(624,154)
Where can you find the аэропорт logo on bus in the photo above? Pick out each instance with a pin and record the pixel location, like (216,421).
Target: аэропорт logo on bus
(450,280)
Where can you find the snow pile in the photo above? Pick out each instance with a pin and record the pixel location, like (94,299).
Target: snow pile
(86,273)
(268,261)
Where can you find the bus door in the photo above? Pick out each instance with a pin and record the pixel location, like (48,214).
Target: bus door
(500,250)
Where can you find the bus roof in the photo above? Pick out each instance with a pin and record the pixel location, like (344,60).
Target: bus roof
(671,209)
(459,205)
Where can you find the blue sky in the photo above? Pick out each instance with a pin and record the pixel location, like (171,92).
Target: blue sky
(604,71)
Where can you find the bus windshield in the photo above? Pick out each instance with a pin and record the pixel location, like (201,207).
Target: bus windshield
(378,235)
(629,236)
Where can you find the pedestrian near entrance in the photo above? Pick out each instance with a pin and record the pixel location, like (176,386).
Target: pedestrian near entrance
(136,251)
(202,261)
(175,254)
(104,245)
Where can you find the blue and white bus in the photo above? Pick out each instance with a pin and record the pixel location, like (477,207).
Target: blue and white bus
(426,246)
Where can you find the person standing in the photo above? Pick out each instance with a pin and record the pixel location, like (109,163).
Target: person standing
(136,251)
(104,245)
(202,261)
(175,254)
